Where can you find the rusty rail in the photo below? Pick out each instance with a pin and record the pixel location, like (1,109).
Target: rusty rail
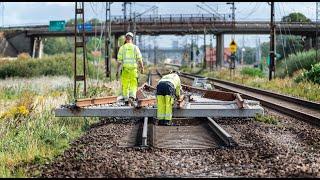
(96,101)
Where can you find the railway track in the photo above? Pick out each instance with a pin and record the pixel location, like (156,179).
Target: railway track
(297,108)
(263,150)
(205,134)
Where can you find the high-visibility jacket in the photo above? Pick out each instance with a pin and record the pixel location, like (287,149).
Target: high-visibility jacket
(129,54)
(175,80)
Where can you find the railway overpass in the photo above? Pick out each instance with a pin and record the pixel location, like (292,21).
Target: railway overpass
(29,38)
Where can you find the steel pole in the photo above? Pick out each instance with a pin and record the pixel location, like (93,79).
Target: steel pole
(272,42)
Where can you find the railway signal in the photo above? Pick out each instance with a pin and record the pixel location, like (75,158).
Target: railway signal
(233,46)
(233,49)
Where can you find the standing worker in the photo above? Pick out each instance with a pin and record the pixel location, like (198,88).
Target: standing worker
(129,56)
(168,89)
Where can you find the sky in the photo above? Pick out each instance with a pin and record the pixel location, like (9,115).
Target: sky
(32,13)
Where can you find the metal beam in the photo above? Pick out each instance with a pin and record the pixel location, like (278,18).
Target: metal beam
(145,132)
(216,110)
(223,135)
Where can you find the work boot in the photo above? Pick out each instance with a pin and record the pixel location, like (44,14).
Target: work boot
(167,123)
(160,122)
(131,101)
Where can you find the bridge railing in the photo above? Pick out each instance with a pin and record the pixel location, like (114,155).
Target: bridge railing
(172,18)
(165,18)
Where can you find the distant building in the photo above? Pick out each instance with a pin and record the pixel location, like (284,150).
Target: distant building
(211,56)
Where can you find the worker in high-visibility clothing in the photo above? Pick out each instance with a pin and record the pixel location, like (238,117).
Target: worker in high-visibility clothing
(129,56)
(168,89)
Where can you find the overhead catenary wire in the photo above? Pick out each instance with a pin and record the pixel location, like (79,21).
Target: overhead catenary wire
(253,10)
(289,47)
(291,36)
(97,45)
(284,50)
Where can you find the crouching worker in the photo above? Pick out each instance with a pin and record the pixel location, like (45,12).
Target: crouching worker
(168,89)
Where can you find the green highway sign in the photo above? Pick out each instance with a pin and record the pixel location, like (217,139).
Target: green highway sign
(57,26)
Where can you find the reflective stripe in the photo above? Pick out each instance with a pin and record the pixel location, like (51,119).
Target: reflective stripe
(165,115)
(129,57)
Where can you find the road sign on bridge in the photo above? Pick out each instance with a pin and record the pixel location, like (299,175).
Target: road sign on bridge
(87,27)
(57,26)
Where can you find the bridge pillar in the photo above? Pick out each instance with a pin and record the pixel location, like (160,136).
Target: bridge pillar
(219,50)
(309,42)
(37,50)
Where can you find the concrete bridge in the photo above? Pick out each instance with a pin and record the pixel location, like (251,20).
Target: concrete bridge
(29,38)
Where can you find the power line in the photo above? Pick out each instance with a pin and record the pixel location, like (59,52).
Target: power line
(254,9)
(290,35)
(215,12)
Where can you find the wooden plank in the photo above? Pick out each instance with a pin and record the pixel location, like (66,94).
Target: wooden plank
(140,94)
(146,102)
(145,87)
(96,101)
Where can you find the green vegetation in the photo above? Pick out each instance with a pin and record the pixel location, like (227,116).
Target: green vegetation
(312,75)
(295,62)
(57,45)
(30,134)
(295,17)
(286,44)
(266,119)
(61,64)
(305,90)
(253,72)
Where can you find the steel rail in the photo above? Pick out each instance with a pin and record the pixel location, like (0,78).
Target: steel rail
(224,136)
(296,113)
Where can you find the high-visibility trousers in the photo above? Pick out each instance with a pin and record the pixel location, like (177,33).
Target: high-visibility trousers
(165,100)
(129,82)
(164,107)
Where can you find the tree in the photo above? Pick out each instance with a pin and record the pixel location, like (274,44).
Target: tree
(94,21)
(57,45)
(71,22)
(288,44)
(249,55)
(295,17)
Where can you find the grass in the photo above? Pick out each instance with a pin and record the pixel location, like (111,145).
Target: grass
(266,119)
(61,64)
(29,132)
(305,90)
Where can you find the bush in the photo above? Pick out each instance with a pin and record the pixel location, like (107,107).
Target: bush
(299,76)
(52,65)
(301,60)
(23,56)
(253,72)
(314,74)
